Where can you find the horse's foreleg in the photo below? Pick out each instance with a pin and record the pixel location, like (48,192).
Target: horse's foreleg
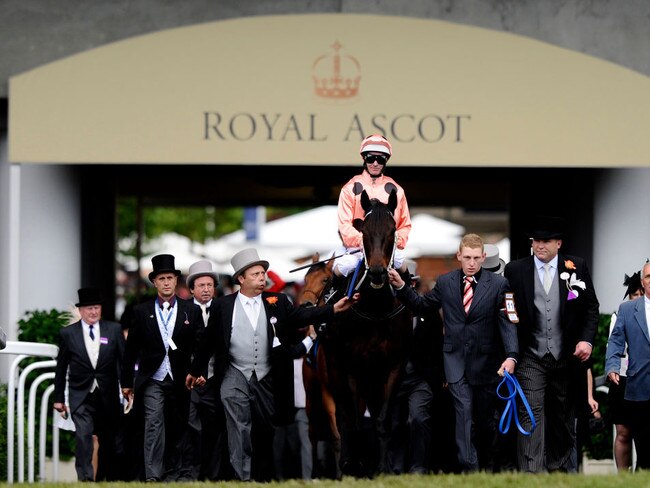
(329,406)
(330,409)
(383,429)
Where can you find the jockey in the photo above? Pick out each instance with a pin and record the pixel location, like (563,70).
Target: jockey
(375,151)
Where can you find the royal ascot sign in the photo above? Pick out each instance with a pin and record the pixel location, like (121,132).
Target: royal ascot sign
(402,128)
(305,89)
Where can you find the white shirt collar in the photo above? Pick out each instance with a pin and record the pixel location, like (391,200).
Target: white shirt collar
(207,304)
(244,299)
(540,264)
(87,326)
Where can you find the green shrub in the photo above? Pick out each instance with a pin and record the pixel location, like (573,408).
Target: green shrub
(600,445)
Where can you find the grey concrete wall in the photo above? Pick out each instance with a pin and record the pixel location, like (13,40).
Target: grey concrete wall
(35,32)
(621,232)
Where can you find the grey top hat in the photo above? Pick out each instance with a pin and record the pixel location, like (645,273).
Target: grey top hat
(492,260)
(163,263)
(246,258)
(198,269)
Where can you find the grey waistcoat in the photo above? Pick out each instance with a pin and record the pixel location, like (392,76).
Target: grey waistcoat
(249,349)
(547,332)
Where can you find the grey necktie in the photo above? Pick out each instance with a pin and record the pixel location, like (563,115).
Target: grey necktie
(547,277)
(204,311)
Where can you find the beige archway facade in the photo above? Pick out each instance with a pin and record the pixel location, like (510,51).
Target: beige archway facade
(302,89)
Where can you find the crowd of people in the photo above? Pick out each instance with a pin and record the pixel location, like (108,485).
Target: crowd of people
(211,388)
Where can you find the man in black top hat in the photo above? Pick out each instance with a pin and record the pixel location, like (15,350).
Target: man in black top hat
(90,352)
(558,317)
(162,338)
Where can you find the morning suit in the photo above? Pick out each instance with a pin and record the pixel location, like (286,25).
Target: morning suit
(632,329)
(474,347)
(93,393)
(207,425)
(245,376)
(164,401)
(550,326)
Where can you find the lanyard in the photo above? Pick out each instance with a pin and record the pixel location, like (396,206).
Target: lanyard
(169,316)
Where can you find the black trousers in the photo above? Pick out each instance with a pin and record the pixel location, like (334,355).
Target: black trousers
(640,427)
(92,417)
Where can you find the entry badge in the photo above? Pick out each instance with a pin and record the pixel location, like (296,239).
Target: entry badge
(172,344)
(511,311)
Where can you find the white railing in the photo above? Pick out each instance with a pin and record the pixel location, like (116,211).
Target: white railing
(22,351)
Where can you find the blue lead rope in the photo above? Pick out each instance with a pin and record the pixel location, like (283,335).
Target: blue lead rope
(514,389)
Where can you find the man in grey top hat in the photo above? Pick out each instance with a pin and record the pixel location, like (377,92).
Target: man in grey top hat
(207,422)
(243,330)
(162,338)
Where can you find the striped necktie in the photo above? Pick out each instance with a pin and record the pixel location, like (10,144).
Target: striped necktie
(468,294)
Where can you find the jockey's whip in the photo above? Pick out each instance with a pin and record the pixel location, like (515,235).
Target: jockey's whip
(324,260)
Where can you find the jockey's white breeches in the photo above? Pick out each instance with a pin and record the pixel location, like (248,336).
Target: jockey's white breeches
(348,262)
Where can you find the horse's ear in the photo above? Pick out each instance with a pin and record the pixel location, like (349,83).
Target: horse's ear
(358,224)
(315,257)
(330,265)
(392,201)
(365,201)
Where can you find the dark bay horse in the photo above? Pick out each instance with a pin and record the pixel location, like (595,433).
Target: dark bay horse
(363,350)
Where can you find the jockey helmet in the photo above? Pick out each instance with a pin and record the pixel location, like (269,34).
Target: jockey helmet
(376,143)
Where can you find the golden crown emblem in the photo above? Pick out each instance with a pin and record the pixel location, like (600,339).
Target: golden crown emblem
(336,75)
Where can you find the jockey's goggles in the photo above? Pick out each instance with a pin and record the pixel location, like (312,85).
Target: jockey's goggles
(370,158)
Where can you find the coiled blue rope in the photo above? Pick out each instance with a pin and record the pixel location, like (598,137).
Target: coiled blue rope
(510,411)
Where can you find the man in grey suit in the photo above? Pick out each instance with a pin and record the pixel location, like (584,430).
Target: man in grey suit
(479,343)
(90,352)
(245,331)
(631,329)
(558,317)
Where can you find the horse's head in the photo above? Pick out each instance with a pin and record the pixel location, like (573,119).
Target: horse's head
(316,279)
(378,229)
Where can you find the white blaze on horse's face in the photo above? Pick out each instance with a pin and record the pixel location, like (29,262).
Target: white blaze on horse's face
(470,259)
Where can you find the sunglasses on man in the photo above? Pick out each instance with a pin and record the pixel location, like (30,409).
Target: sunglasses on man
(371,158)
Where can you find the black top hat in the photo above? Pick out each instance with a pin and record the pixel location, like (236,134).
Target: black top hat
(545,228)
(89,296)
(633,283)
(163,263)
